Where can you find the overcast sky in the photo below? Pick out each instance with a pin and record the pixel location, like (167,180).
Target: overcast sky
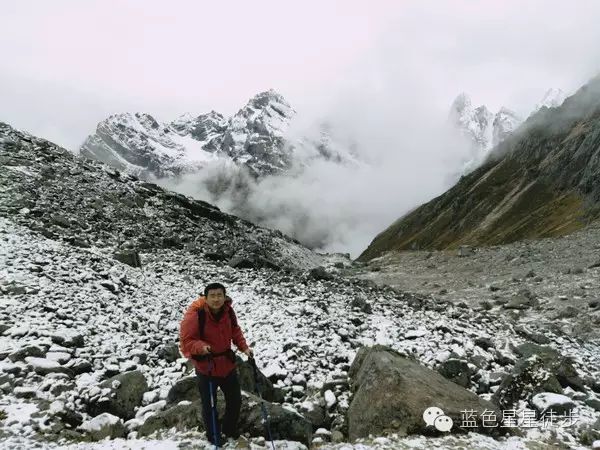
(67,64)
(385,72)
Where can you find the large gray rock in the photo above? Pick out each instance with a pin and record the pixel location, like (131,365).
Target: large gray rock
(127,391)
(284,423)
(391,393)
(184,389)
(247,382)
(540,369)
(103,426)
(129,257)
(182,416)
(456,371)
(28,350)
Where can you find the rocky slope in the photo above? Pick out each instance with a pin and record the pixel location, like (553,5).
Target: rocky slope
(88,338)
(255,138)
(541,181)
(548,283)
(90,204)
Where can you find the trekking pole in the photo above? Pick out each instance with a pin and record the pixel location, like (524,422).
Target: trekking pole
(213,408)
(263,409)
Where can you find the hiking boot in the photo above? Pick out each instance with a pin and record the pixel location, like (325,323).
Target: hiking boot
(233,436)
(211,442)
(242,443)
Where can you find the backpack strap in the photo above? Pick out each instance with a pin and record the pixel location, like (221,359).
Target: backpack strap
(201,322)
(233,318)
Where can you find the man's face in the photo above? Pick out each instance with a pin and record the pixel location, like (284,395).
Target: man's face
(215,298)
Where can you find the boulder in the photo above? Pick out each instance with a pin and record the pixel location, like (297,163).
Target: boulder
(285,424)
(457,371)
(392,392)
(184,389)
(126,392)
(549,401)
(247,383)
(540,369)
(102,426)
(183,416)
(29,350)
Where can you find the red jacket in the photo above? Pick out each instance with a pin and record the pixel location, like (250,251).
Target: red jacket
(217,334)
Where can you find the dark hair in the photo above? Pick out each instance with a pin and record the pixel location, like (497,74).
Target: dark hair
(212,286)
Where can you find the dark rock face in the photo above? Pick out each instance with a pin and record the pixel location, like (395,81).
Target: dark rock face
(542,181)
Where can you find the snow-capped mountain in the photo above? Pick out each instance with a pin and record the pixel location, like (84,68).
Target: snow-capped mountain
(505,122)
(482,127)
(138,144)
(552,98)
(255,137)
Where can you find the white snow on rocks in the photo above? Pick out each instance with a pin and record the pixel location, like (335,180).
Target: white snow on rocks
(304,332)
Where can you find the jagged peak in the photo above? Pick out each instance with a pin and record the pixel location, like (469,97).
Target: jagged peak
(461,102)
(266,99)
(131,120)
(188,117)
(270,94)
(504,111)
(552,98)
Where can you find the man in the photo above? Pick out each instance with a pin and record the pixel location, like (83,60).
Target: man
(208,327)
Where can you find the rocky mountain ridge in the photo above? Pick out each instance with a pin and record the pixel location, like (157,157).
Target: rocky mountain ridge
(254,138)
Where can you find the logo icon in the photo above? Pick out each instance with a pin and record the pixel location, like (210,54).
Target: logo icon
(434,416)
